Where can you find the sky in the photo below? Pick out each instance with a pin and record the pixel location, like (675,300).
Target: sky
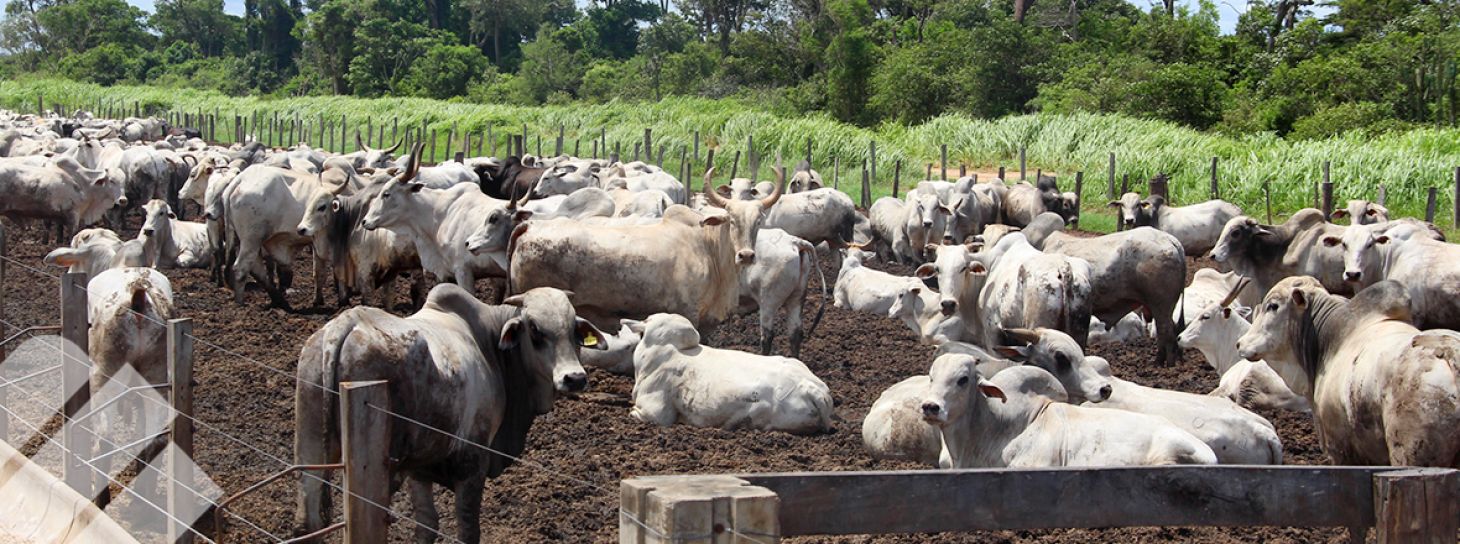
(1228,9)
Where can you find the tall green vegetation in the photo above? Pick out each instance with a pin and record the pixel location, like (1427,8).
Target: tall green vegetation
(1288,68)
(1408,163)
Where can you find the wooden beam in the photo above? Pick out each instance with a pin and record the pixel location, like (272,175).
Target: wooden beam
(365,447)
(75,381)
(1416,506)
(5,417)
(696,509)
(180,466)
(839,503)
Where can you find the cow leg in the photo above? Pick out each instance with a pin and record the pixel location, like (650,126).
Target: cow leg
(423,510)
(319,281)
(795,325)
(767,328)
(418,289)
(469,509)
(1167,352)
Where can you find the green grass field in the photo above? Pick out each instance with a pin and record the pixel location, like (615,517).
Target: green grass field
(1407,164)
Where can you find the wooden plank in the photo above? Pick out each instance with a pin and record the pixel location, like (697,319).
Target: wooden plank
(1416,506)
(179,467)
(75,381)
(696,509)
(838,503)
(365,447)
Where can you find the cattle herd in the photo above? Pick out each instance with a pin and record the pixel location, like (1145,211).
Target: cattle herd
(623,268)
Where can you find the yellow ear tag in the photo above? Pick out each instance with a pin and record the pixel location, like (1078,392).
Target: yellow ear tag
(590,340)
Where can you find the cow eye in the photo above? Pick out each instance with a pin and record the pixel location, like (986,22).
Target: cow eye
(492,219)
(320,208)
(1272,306)
(963,381)
(1061,361)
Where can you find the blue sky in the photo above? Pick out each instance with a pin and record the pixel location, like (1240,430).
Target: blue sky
(1229,9)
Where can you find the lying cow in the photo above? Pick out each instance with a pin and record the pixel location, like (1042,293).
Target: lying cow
(678,380)
(510,362)
(1018,419)
(863,289)
(1251,384)
(1383,392)
(1362,212)
(94,251)
(181,244)
(895,429)
(1237,436)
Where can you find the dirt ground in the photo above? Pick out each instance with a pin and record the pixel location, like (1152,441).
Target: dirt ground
(566,490)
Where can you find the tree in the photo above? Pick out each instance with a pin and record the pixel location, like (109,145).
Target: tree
(385,51)
(549,66)
(657,43)
(199,22)
(499,27)
(722,17)
(105,64)
(328,34)
(81,25)
(850,59)
(445,71)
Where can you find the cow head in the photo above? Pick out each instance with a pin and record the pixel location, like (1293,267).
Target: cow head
(565,178)
(546,334)
(960,275)
(1237,236)
(1363,212)
(805,179)
(496,229)
(908,302)
(1219,324)
(399,198)
(963,216)
(927,213)
(1057,353)
(374,158)
(321,206)
(955,389)
(158,217)
(1129,207)
(739,189)
(1283,332)
(744,216)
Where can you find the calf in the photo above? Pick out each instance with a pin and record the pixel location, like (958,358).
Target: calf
(1030,426)
(776,282)
(1363,212)
(676,379)
(1253,385)
(181,244)
(94,251)
(863,289)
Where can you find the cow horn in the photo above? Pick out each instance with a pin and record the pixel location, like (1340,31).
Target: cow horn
(186,158)
(713,197)
(1236,289)
(515,300)
(780,188)
(392,149)
(1028,336)
(413,167)
(359,144)
(525,197)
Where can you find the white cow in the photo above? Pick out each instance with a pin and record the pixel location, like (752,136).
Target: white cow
(895,429)
(1237,436)
(94,251)
(1251,384)
(1029,289)
(1428,269)
(262,208)
(1383,391)
(617,355)
(863,289)
(1363,212)
(777,282)
(62,191)
(1197,226)
(678,380)
(1018,419)
(182,244)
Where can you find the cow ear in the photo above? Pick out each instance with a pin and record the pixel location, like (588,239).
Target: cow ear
(991,391)
(1330,241)
(915,290)
(416,187)
(511,331)
(977,268)
(1245,312)
(1262,232)
(521,215)
(1145,205)
(64,257)
(926,271)
(635,326)
(723,190)
(1114,204)
(1014,353)
(1226,313)
(1381,239)
(589,336)
(1371,212)
(712,220)
(1300,299)
(1340,214)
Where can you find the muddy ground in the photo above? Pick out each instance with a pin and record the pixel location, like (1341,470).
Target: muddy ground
(566,490)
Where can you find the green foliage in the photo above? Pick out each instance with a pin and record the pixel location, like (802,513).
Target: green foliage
(549,67)
(850,59)
(82,25)
(385,52)
(1368,117)
(445,71)
(106,64)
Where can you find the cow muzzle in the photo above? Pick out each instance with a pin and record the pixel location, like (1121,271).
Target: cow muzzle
(574,382)
(947,240)
(927,224)
(303,231)
(148,232)
(1247,353)
(933,413)
(745,256)
(122,201)
(1130,222)
(948,307)
(1352,276)
(1104,393)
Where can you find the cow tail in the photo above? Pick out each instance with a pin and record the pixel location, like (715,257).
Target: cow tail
(821,309)
(330,386)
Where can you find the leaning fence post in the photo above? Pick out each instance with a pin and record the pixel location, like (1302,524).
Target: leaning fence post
(735,165)
(896,176)
(1216,193)
(1430,205)
(179,466)
(1079,197)
(1110,179)
(1455,218)
(1416,506)
(866,187)
(943,161)
(365,448)
(75,381)
(1381,194)
(691,508)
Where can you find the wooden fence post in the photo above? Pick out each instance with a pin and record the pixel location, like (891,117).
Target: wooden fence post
(1381,194)
(836,173)
(962,170)
(735,165)
(896,177)
(1001,173)
(75,381)
(1455,204)
(365,449)
(1416,506)
(491,142)
(180,467)
(449,136)
(1124,183)
(614,157)
(1079,197)
(345,134)
(1267,198)
(866,187)
(637,147)
(577,146)
(1430,205)
(943,161)
(480,137)
(1216,192)
(871,166)
(5,417)
(595,149)
(1110,179)
(1327,200)
(752,159)
(697,146)
(928,172)
(432,156)
(1022,164)
(648,144)
(697,509)
(659,161)
(465,143)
